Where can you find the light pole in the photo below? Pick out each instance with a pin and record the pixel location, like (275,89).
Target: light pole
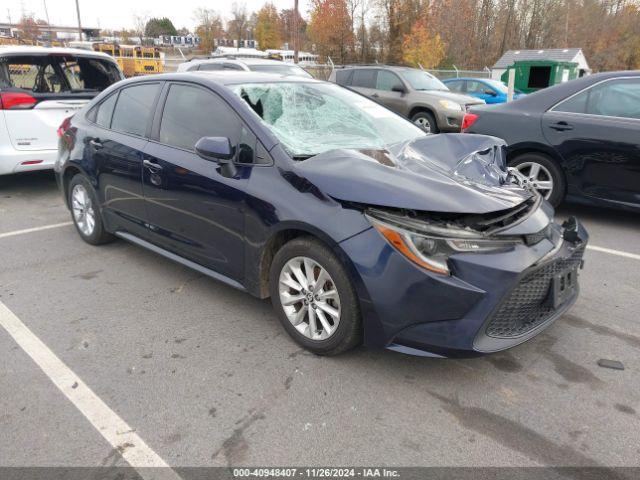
(295,32)
(79,23)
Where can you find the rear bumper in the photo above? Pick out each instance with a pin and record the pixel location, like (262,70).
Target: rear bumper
(414,311)
(15,161)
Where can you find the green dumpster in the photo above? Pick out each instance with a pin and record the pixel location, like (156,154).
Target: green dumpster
(532,75)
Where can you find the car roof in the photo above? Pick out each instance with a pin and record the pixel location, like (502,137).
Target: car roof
(232,77)
(33,50)
(223,77)
(239,61)
(476,79)
(379,66)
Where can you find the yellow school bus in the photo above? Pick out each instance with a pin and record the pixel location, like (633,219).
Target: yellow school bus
(148,60)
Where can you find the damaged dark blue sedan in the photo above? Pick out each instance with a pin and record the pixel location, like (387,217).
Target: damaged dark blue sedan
(358,225)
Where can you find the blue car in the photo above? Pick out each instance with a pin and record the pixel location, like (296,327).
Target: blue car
(358,225)
(489,90)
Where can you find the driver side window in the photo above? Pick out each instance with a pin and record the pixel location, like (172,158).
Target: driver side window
(192,112)
(387,81)
(474,86)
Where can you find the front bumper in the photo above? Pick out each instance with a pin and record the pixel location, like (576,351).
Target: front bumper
(491,302)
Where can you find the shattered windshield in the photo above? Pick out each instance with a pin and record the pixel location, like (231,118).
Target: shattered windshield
(311,118)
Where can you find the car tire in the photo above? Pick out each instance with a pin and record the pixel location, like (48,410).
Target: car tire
(344,333)
(426,121)
(86,213)
(547,169)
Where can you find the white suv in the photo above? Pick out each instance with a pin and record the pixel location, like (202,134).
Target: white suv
(277,67)
(39,88)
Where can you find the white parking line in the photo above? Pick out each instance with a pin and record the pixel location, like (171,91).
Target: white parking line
(118,433)
(611,251)
(35,229)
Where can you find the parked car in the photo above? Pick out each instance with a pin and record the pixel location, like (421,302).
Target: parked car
(487,89)
(579,139)
(414,94)
(247,64)
(357,224)
(40,87)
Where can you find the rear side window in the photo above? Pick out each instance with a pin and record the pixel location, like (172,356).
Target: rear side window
(343,77)
(57,74)
(134,108)
(364,78)
(105,110)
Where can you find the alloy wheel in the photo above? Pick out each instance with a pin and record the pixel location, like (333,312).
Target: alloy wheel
(423,123)
(83,212)
(537,177)
(309,298)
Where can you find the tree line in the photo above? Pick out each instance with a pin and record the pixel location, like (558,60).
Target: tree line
(441,33)
(431,33)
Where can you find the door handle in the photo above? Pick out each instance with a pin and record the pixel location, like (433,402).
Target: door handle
(561,126)
(154,167)
(95,143)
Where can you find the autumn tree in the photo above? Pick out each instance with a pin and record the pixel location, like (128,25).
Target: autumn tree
(421,47)
(209,27)
(330,29)
(268,31)
(28,28)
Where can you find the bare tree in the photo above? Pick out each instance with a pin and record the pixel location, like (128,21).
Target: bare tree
(239,21)
(140,24)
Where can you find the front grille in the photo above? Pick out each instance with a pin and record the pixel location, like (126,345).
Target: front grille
(527,306)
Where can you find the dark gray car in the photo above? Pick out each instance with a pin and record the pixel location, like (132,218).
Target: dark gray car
(411,92)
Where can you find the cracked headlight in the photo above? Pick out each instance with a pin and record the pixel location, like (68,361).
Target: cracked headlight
(430,246)
(450,105)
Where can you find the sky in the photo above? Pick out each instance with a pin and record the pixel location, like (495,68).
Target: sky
(116,14)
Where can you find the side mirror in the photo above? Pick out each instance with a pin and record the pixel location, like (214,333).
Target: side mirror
(215,149)
(490,92)
(398,88)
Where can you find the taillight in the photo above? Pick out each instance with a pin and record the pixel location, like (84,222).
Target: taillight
(468,120)
(16,101)
(64,126)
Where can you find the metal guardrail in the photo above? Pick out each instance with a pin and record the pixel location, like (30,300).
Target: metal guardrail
(457,73)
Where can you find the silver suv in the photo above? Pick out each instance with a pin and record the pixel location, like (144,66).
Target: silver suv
(413,93)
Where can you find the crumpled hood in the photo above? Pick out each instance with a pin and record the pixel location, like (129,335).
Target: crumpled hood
(460,173)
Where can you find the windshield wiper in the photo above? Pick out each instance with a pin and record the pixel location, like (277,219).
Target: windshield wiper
(302,156)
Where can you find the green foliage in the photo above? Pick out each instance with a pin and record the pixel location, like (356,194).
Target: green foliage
(159,26)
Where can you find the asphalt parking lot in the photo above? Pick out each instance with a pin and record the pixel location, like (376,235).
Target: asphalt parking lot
(205,375)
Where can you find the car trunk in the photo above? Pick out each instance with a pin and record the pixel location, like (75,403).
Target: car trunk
(37,92)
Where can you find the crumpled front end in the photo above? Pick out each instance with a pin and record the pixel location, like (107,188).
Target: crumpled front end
(485,301)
